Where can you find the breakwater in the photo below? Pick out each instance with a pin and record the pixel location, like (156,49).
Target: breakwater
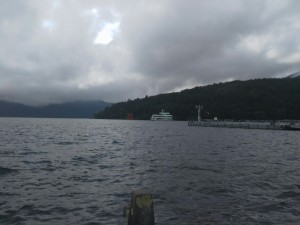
(269,125)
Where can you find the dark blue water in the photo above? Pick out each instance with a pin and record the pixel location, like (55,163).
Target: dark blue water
(79,172)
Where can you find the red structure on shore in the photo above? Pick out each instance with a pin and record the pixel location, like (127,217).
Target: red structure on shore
(130,116)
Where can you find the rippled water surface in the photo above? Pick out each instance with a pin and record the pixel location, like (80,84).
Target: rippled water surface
(79,172)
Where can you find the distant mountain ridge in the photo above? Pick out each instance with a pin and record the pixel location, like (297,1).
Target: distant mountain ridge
(294,75)
(258,99)
(79,109)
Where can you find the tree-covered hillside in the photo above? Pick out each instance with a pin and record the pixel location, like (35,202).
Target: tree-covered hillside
(80,109)
(252,99)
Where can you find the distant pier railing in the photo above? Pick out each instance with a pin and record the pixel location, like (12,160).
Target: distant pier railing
(269,125)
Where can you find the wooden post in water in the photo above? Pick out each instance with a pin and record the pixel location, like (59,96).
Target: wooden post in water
(141,210)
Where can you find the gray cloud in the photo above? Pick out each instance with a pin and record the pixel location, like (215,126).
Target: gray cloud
(48,52)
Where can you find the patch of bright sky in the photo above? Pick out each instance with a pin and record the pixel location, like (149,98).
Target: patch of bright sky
(105,30)
(93,12)
(56,4)
(272,53)
(293,58)
(255,43)
(48,24)
(106,35)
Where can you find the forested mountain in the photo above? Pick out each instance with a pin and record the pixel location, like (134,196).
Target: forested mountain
(83,109)
(252,99)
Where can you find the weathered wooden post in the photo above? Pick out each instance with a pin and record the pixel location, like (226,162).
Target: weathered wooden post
(141,210)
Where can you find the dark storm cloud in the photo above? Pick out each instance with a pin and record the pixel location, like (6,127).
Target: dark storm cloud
(52,51)
(204,41)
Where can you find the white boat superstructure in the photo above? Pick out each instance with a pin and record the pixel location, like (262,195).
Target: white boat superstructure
(162,116)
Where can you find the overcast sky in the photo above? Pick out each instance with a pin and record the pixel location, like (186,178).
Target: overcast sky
(65,50)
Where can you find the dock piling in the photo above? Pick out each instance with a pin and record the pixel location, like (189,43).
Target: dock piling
(141,210)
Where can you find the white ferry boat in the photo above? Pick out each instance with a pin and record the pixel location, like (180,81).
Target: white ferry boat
(162,116)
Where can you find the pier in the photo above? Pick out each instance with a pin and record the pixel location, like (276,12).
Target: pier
(243,124)
(248,124)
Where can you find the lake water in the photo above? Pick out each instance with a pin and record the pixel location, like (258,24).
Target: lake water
(81,171)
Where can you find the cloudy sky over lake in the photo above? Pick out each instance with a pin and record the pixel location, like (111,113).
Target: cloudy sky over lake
(65,50)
